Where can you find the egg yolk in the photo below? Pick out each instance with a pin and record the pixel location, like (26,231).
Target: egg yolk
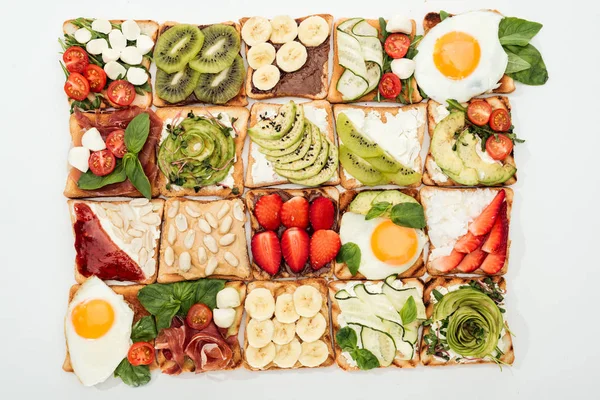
(394,244)
(93,318)
(456,55)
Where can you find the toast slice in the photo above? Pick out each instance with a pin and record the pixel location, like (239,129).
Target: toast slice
(191,238)
(239,100)
(334,96)
(310,194)
(116,220)
(349,182)
(147,27)
(340,357)
(341,270)
(297,82)
(426,194)
(233,186)
(260,172)
(448,283)
(433,175)
(279,288)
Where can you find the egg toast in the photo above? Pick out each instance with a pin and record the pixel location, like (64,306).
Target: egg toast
(430,360)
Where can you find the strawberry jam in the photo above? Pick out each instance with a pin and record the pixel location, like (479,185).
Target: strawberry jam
(97,254)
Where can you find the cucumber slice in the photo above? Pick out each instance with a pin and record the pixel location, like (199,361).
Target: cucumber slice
(373,75)
(342,295)
(356,311)
(398,297)
(396,331)
(351,86)
(348,24)
(350,54)
(379,304)
(411,331)
(380,343)
(364,28)
(371,49)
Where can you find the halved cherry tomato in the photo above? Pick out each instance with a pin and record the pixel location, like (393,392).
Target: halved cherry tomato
(199,316)
(479,112)
(102,162)
(500,120)
(396,45)
(76,59)
(390,86)
(115,142)
(499,148)
(77,87)
(96,77)
(121,92)
(141,353)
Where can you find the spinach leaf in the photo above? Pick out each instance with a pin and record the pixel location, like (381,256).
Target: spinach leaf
(437,295)
(537,73)
(410,215)
(89,181)
(517,31)
(515,63)
(377,209)
(206,291)
(350,254)
(408,313)
(144,330)
(137,132)
(346,338)
(136,174)
(443,15)
(365,359)
(133,376)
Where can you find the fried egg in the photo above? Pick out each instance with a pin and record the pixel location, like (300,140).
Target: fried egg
(461,57)
(98,330)
(386,248)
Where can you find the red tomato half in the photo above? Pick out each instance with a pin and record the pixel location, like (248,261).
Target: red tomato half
(141,353)
(121,93)
(77,87)
(96,77)
(500,120)
(76,59)
(199,316)
(499,148)
(102,162)
(479,112)
(396,45)
(115,142)
(390,86)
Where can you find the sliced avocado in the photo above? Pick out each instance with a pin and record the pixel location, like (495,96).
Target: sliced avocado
(310,157)
(292,137)
(467,177)
(358,143)
(488,174)
(311,170)
(278,126)
(384,162)
(394,197)
(443,141)
(362,202)
(297,154)
(331,167)
(359,168)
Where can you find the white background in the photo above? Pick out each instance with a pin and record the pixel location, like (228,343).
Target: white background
(554,269)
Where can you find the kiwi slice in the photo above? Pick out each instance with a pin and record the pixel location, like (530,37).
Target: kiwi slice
(404,177)
(359,168)
(354,140)
(177,86)
(384,162)
(221,87)
(221,45)
(177,46)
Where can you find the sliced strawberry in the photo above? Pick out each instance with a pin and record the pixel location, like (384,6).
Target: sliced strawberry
(472,261)
(324,246)
(498,237)
(321,213)
(468,243)
(294,212)
(449,262)
(267,211)
(493,263)
(266,251)
(294,246)
(483,224)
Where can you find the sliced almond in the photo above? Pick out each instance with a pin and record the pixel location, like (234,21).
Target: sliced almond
(211,244)
(100,212)
(118,233)
(238,212)
(202,256)
(149,241)
(115,219)
(188,241)
(143,255)
(231,259)
(225,225)
(223,211)
(185,261)
(211,266)
(142,201)
(156,206)
(181,223)
(212,221)
(192,212)
(227,239)
(111,207)
(135,233)
(125,224)
(145,209)
(151,219)
(204,226)
(150,267)
(172,235)
(140,226)
(173,209)
(169,256)
(126,212)
(136,245)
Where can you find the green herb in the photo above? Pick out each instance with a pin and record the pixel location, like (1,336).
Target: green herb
(350,255)
(537,74)
(346,338)
(235,191)
(437,295)
(410,215)
(143,89)
(382,29)
(348,341)
(87,104)
(135,173)
(490,288)
(515,63)
(378,209)
(133,376)
(89,181)
(137,132)
(144,330)
(455,105)
(517,31)
(408,313)
(443,15)
(365,359)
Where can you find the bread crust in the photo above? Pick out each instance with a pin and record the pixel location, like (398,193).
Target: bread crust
(353,183)
(259,108)
(341,361)
(432,361)
(324,76)
(240,125)
(239,100)
(281,287)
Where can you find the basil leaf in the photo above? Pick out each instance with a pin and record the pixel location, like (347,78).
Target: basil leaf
(365,359)
(350,255)
(144,330)
(206,291)
(515,63)
(537,73)
(408,313)
(137,132)
(443,15)
(159,301)
(377,209)
(185,292)
(137,176)
(410,215)
(133,376)
(346,338)
(438,296)
(517,31)
(89,181)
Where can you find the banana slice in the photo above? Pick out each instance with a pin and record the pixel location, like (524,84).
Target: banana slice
(260,304)
(311,329)
(266,77)
(260,55)
(291,56)
(256,30)
(313,31)
(284,309)
(288,354)
(259,333)
(260,357)
(307,301)
(285,29)
(284,333)
(313,353)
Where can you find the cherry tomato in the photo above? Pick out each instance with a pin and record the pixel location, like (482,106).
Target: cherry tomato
(479,112)
(199,316)
(500,120)
(396,45)
(121,93)
(77,87)
(115,142)
(390,86)
(141,353)
(76,59)
(102,162)
(499,148)
(96,77)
